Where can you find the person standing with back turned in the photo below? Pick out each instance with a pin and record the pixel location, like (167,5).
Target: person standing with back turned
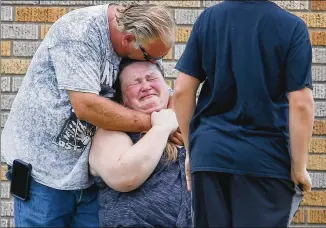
(248,136)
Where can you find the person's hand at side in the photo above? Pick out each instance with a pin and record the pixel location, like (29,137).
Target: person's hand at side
(301,178)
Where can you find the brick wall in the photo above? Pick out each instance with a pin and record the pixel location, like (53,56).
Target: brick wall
(25,23)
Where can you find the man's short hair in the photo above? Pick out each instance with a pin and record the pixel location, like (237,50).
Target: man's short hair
(146,22)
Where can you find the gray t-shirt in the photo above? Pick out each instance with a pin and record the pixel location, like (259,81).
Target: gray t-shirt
(42,128)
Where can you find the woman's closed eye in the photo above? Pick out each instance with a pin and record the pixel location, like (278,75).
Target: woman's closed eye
(135,83)
(152,78)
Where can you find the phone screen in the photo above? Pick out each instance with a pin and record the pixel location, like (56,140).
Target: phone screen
(20,180)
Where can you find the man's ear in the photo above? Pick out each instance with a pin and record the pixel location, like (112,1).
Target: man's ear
(128,40)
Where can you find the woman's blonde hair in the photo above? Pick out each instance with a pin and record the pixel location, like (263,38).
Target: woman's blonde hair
(146,22)
(170,153)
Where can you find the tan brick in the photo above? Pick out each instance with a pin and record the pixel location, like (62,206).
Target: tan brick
(73,8)
(4,169)
(317,162)
(14,66)
(44,30)
(169,54)
(318,4)
(39,14)
(314,198)
(182,34)
(318,145)
(178,3)
(299,217)
(316,216)
(318,38)
(313,20)
(5,48)
(169,82)
(320,127)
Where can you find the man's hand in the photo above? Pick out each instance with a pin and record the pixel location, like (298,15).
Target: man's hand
(188,172)
(176,138)
(302,179)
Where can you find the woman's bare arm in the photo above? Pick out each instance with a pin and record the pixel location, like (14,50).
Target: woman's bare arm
(122,165)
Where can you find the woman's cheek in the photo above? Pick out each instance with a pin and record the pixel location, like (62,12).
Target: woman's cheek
(133,93)
(157,86)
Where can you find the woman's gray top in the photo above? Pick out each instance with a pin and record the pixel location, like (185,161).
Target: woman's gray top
(162,201)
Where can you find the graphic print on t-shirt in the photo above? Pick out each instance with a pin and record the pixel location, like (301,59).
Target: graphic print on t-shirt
(108,78)
(75,134)
(109,74)
(107,91)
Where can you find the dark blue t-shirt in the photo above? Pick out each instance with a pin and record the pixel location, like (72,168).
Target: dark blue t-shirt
(249,55)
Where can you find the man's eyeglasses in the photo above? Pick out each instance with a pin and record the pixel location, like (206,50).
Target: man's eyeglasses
(149,58)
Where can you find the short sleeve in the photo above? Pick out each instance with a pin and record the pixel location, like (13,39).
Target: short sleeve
(77,66)
(298,61)
(190,61)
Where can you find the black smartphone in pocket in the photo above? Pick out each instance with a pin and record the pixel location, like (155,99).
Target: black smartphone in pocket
(20,181)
